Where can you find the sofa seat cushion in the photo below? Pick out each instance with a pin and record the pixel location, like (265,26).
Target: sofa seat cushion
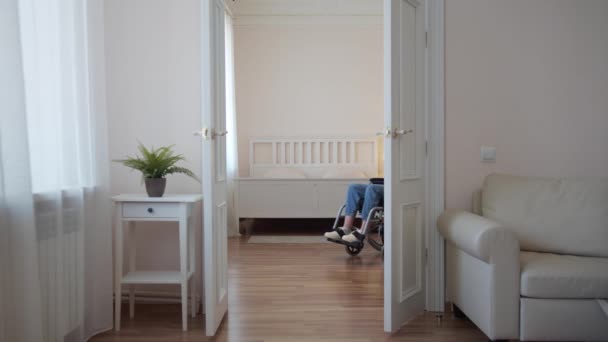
(546,275)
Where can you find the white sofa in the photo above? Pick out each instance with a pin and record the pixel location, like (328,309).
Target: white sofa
(531,262)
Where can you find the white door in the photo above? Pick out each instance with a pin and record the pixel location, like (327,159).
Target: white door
(213,107)
(405,156)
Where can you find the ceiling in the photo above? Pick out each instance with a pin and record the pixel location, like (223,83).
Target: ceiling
(306,7)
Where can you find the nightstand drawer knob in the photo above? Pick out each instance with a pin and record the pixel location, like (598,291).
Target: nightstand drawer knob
(150,210)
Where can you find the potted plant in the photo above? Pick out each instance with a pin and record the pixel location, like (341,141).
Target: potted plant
(155,164)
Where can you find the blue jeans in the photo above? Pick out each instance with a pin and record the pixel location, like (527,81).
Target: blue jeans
(363,198)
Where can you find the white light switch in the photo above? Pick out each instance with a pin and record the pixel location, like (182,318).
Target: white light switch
(488,154)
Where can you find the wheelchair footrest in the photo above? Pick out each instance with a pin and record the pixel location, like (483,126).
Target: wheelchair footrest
(336,241)
(357,244)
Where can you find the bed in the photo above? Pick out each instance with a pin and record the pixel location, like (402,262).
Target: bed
(303,177)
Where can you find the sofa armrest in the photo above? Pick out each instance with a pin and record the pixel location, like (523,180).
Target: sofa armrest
(482,271)
(478,236)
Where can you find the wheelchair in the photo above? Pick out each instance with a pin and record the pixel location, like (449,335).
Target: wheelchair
(373,231)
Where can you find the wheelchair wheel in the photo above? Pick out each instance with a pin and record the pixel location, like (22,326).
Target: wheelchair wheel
(352,251)
(377,239)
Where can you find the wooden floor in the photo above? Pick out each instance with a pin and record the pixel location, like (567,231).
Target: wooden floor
(295,292)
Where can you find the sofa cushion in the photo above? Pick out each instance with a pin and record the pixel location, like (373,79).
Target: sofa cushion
(545,275)
(564,216)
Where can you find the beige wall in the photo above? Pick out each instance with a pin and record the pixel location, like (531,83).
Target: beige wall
(531,79)
(306,76)
(153,95)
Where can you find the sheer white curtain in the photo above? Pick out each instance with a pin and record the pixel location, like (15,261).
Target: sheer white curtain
(231,143)
(56,225)
(19,283)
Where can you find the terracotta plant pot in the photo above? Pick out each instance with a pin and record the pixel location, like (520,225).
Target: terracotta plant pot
(155,187)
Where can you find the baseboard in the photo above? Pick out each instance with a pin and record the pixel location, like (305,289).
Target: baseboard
(157,297)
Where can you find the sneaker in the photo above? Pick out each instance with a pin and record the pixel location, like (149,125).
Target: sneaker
(337,233)
(355,236)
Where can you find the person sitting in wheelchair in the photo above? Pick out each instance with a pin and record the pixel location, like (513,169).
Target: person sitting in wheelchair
(360,198)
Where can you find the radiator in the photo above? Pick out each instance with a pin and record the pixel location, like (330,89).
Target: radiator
(59,226)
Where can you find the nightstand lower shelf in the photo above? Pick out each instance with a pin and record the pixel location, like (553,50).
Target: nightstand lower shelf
(154,277)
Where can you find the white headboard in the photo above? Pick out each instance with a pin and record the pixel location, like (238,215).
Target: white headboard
(313,156)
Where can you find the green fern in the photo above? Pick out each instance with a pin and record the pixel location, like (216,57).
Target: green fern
(157,162)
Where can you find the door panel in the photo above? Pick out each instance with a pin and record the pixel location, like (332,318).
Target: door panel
(213,107)
(407,91)
(405,158)
(411,251)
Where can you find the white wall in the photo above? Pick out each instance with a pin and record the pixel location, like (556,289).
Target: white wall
(531,78)
(153,95)
(307,76)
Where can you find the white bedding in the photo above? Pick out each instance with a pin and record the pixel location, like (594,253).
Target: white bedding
(291,198)
(284,172)
(342,173)
(294,173)
(303,178)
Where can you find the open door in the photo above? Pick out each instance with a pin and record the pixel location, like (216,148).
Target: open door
(213,133)
(405,158)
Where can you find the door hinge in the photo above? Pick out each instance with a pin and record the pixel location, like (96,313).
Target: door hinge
(426,256)
(426,147)
(426,39)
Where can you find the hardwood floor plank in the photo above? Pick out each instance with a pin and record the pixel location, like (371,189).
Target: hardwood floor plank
(295,292)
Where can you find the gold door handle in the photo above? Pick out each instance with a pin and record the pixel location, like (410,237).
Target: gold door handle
(397,132)
(393,133)
(387,133)
(204,133)
(208,134)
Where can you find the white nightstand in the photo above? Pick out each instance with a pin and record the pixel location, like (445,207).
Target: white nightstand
(131,208)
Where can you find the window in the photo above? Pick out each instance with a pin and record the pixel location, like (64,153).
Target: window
(53,42)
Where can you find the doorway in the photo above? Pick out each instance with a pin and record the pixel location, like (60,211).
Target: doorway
(411,213)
